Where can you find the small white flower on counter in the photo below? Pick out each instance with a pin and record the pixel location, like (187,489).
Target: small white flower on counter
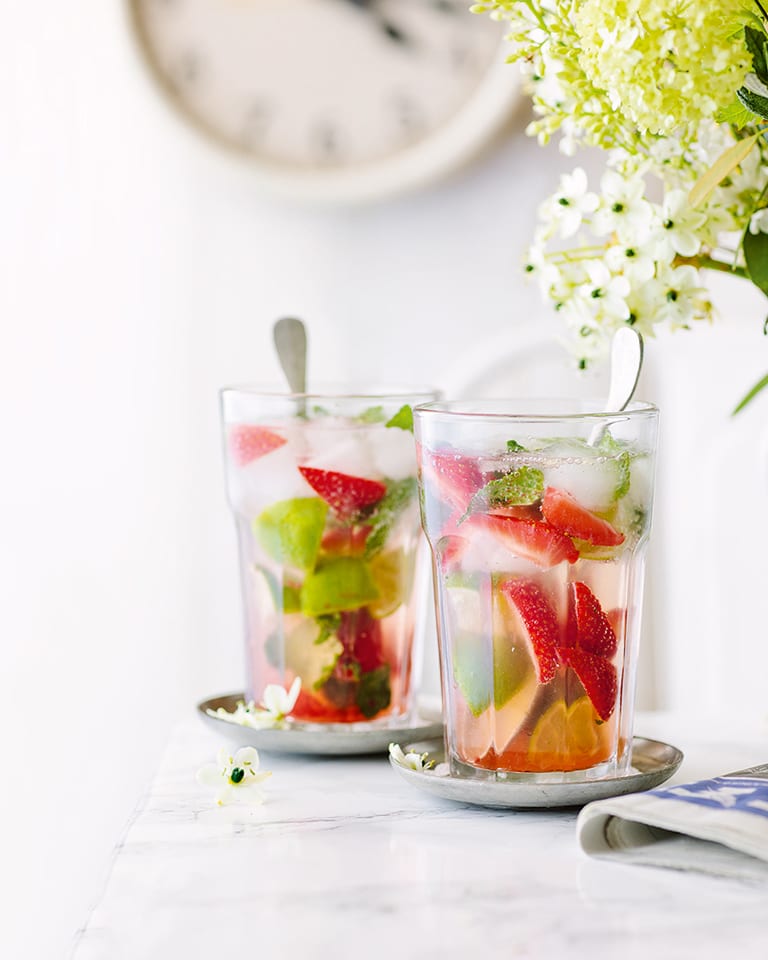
(236,777)
(412,761)
(276,704)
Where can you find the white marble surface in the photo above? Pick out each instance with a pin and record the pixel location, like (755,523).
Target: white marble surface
(347,860)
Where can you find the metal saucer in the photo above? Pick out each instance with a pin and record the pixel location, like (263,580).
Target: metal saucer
(330,739)
(653,762)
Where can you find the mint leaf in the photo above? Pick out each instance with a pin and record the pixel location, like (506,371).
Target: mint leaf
(617,450)
(516,489)
(402,419)
(514,447)
(329,624)
(373,415)
(374,693)
(386,512)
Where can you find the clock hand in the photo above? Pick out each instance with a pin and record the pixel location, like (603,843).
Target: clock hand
(389,29)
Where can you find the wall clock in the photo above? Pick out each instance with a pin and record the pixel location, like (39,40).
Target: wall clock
(336,100)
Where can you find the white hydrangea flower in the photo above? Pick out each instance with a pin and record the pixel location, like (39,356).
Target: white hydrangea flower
(412,761)
(235,777)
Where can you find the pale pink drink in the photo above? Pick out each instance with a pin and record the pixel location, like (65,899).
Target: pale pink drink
(538,529)
(323,489)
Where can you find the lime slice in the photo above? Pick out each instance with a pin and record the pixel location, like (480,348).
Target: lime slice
(344,583)
(472,671)
(392,573)
(290,530)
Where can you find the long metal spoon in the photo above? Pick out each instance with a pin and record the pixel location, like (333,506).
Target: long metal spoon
(290,338)
(626,363)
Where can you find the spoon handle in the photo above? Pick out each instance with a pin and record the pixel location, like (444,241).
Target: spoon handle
(290,338)
(626,363)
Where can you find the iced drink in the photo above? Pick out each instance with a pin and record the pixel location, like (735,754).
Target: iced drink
(538,529)
(323,489)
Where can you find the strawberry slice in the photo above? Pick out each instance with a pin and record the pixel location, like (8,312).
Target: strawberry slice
(449,552)
(589,628)
(540,622)
(361,636)
(344,494)
(345,541)
(597,676)
(565,513)
(457,478)
(248,442)
(530,539)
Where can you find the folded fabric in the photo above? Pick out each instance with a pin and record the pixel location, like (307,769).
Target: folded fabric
(717,826)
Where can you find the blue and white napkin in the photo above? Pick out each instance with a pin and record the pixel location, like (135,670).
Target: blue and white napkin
(717,826)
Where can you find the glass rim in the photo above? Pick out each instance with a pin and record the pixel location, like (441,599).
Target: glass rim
(335,391)
(463,409)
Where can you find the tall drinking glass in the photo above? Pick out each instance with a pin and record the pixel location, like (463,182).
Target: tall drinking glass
(323,490)
(537,514)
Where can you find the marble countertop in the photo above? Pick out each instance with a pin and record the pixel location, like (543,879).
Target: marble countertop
(345,859)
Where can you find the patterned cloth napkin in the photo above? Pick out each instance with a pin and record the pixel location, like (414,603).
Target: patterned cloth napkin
(717,826)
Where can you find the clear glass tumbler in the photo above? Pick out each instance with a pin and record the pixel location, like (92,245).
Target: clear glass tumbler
(538,515)
(323,490)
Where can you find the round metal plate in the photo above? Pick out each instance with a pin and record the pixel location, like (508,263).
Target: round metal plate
(331,739)
(653,762)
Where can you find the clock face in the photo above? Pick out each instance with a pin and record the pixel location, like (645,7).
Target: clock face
(321,86)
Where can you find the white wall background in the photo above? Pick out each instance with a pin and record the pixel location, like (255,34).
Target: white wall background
(138,273)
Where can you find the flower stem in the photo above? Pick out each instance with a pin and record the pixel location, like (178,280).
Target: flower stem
(703,262)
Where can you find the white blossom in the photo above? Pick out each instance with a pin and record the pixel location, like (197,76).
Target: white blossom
(235,777)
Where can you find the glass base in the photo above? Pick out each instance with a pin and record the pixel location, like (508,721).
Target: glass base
(601,771)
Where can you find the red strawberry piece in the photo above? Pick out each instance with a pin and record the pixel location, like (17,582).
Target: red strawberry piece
(345,541)
(360,635)
(456,478)
(344,494)
(450,550)
(248,442)
(566,514)
(538,542)
(597,676)
(589,628)
(540,622)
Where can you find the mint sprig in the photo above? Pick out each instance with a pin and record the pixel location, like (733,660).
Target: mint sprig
(386,512)
(403,419)
(518,488)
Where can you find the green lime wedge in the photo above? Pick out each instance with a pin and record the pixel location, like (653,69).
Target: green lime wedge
(344,583)
(290,531)
(472,671)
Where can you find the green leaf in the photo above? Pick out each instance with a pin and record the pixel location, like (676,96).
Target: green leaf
(515,489)
(402,419)
(757,44)
(755,98)
(514,447)
(720,169)
(737,115)
(373,415)
(374,693)
(755,246)
(750,395)
(386,512)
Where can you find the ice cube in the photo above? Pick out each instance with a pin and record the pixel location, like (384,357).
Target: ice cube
(264,481)
(332,443)
(393,452)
